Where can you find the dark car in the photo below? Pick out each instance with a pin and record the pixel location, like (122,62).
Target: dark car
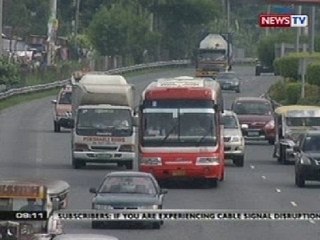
(262,68)
(229,81)
(258,114)
(128,190)
(307,158)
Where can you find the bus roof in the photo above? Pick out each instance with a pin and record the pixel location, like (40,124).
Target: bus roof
(183,87)
(298,111)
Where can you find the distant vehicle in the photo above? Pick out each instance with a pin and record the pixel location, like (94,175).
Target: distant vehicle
(181,133)
(104,126)
(257,113)
(261,68)
(62,109)
(84,236)
(307,158)
(213,56)
(128,190)
(290,122)
(234,144)
(229,81)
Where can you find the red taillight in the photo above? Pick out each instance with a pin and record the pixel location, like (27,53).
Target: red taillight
(81,147)
(126,148)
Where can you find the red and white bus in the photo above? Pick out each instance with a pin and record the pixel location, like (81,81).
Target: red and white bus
(181,135)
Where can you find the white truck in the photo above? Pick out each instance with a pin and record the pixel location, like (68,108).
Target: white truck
(214,55)
(103,121)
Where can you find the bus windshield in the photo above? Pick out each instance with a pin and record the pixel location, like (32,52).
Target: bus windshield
(302,121)
(179,127)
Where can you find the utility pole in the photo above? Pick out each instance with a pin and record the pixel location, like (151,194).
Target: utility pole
(76,27)
(52,29)
(268,12)
(228,16)
(1,41)
(298,31)
(312,29)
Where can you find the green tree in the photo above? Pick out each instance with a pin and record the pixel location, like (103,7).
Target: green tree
(119,31)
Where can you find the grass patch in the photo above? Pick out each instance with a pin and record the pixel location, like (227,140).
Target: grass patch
(15,100)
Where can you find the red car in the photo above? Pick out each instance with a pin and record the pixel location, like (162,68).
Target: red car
(257,116)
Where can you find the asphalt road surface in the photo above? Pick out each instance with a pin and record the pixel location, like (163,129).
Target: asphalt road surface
(30,148)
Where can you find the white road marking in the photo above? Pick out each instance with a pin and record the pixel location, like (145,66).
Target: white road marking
(312,221)
(263,177)
(293,203)
(252,166)
(278,190)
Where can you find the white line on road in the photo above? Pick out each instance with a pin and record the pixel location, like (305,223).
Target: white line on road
(263,177)
(252,166)
(278,190)
(293,203)
(312,221)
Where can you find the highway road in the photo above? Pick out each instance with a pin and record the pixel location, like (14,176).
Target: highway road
(30,148)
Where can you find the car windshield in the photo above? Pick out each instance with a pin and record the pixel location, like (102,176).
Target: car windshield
(252,108)
(230,122)
(128,184)
(65,98)
(226,76)
(312,144)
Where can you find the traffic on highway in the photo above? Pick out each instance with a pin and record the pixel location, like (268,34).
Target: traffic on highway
(183,143)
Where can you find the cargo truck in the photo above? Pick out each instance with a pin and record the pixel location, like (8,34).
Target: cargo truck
(213,56)
(103,121)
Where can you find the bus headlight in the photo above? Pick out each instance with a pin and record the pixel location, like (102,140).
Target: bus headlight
(208,161)
(151,161)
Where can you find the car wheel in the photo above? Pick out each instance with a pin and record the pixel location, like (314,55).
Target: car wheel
(129,165)
(300,180)
(239,162)
(76,164)
(271,141)
(57,127)
(96,224)
(237,90)
(156,225)
(212,183)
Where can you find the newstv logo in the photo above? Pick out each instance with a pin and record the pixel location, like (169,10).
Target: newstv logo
(283,20)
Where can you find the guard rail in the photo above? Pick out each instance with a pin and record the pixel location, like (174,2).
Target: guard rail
(41,87)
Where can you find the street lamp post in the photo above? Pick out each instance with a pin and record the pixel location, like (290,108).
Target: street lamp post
(1,41)
(52,27)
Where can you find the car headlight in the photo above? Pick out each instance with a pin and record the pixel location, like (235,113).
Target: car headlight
(235,139)
(151,161)
(305,161)
(208,161)
(270,124)
(235,83)
(101,207)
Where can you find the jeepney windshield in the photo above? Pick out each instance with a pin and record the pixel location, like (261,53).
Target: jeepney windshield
(181,127)
(302,121)
(104,122)
(22,204)
(252,108)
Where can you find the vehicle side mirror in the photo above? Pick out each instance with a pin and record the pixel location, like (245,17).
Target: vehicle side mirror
(135,121)
(93,190)
(296,148)
(54,101)
(163,191)
(72,123)
(244,126)
(55,203)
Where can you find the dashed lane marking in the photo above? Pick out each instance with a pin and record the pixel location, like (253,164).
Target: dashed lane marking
(293,203)
(278,190)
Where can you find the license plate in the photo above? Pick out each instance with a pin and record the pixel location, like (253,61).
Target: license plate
(179,173)
(253,134)
(104,156)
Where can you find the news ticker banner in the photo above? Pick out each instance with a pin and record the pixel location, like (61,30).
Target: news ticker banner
(183,215)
